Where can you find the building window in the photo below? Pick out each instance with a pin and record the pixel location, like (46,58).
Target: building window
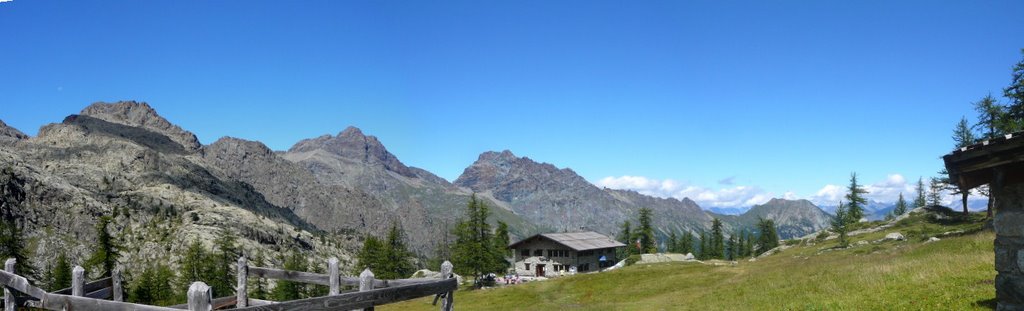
(538,252)
(527,266)
(525,252)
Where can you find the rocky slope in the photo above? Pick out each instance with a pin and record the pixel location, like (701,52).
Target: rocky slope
(124,161)
(425,205)
(9,134)
(560,199)
(793,218)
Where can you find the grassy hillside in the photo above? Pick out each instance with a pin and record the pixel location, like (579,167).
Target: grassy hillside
(955,273)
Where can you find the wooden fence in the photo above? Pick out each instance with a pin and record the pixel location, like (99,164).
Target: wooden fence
(371,292)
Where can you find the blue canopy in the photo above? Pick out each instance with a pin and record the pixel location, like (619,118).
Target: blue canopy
(602,259)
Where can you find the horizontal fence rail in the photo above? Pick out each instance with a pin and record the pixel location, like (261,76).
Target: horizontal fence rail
(92,296)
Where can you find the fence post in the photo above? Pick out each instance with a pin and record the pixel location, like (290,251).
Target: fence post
(8,295)
(115,279)
(449,300)
(366,283)
(200,297)
(78,281)
(332,268)
(241,288)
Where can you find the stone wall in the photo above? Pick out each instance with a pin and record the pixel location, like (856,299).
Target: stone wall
(1009,245)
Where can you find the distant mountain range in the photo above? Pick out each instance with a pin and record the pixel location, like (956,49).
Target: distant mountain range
(165,189)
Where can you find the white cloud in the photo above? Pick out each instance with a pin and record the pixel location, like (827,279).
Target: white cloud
(736,196)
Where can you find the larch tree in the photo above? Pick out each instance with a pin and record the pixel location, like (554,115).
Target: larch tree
(840,225)
(626,237)
(717,245)
(935,192)
(646,232)
(901,206)
(854,195)
(474,252)
(104,257)
(921,199)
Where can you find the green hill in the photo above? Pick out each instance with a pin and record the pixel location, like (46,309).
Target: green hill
(954,273)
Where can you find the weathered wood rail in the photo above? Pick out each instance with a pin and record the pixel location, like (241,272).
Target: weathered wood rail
(371,292)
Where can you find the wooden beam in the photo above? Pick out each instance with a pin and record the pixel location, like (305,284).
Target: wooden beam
(115,284)
(78,281)
(103,293)
(241,287)
(9,301)
(332,271)
(366,284)
(294,276)
(200,297)
(18,283)
(358,300)
(89,287)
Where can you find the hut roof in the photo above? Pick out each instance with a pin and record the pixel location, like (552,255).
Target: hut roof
(578,241)
(972,166)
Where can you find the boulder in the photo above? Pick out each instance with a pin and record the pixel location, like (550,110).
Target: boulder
(932,239)
(895,236)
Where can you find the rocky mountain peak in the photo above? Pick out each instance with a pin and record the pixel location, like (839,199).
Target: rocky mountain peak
(8,133)
(352,144)
(140,114)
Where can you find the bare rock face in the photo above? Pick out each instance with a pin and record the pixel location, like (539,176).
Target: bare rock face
(9,134)
(793,218)
(352,144)
(290,185)
(560,199)
(424,204)
(140,114)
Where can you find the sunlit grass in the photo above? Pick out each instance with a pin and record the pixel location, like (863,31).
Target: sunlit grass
(955,273)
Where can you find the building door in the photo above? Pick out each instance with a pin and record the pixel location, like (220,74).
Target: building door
(540,270)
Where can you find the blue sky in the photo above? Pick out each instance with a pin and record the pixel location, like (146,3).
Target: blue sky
(729,101)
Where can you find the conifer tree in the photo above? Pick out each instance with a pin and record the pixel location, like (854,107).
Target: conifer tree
(288,290)
(703,245)
(397,257)
(768,239)
(153,286)
(258,285)
(730,248)
(839,224)
(901,206)
(963,136)
(921,199)
(226,257)
(104,257)
(717,245)
(197,265)
(671,245)
(935,192)
(371,256)
(855,208)
(474,252)
(991,115)
(1015,93)
(502,239)
(646,232)
(59,275)
(12,245)
(685,244)
(626,237)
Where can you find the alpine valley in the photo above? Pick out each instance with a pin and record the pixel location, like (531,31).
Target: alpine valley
(163,189)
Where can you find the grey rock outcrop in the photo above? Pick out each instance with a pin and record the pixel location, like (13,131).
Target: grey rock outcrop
(140,114)
(559,199)
(9,134)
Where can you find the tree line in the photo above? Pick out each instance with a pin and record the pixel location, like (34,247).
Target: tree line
(716,244)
